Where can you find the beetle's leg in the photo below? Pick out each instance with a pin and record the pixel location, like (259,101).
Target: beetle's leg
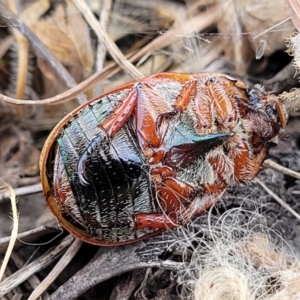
(156,220)
(207,194)
(148,106)
(185,96)
(121,113)
(173,194)
(224,93)
(211,99)
(173,197)
(246,164)
(195,90)
(179,200)
(211,193)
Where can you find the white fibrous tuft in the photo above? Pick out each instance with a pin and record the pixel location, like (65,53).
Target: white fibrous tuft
(238,263)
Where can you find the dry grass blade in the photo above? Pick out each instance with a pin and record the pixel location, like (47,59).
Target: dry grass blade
(242,20)
(28,16)
(108,263)
(109,44)
(14,232)
(66,34)
(279,168)
(23,58)
(278,199)
(28,237)
(104,21)
(41,50)
(33,280)
(21,191)
(109,70)
(271,28)
(195,24)
(42,262)
(101,49)
(62,263)
(294,9)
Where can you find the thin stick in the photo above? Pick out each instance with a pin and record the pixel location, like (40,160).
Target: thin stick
(278,199)
(279,168)
(101,49)
(33,280)
(41,50)
(195,24)
(269,29)
(59,267)
(109,44)
(14,231)
(39,264)
(21,191)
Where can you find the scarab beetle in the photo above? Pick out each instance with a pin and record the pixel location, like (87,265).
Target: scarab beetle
(152,154)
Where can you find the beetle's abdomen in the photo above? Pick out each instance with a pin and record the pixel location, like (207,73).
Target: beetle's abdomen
(106,179)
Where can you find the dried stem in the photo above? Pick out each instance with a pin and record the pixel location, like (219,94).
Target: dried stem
(59,267)
(14,231)
(278,199)
(21,191)
(279,168)
(41,50)
(109,44)
(101,49)
(195,24)
(23,274)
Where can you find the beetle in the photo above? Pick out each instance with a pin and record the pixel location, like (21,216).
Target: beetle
(152,154)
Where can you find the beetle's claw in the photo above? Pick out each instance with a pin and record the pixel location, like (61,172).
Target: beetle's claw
(81,170)
(82,179)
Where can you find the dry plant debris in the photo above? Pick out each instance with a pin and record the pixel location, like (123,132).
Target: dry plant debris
(48,65)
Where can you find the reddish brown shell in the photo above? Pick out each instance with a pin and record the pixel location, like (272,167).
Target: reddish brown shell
(217,104)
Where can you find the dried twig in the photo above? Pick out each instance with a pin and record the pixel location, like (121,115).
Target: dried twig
(14,232)
(21,191)
(109,44)
(59,267)
(279,168)
(101,49)
(278,199)
(29,237)
(195,24)
(108,263)
(33,280)
(41,50)
(42,262)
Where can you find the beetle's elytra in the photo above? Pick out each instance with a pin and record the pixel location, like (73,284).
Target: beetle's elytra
(152,154)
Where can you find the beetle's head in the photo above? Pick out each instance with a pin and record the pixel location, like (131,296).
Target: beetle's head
(267,104)
(263,116)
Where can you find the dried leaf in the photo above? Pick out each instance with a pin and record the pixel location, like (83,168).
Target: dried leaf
(294,9)
(67,35)
(245,25)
